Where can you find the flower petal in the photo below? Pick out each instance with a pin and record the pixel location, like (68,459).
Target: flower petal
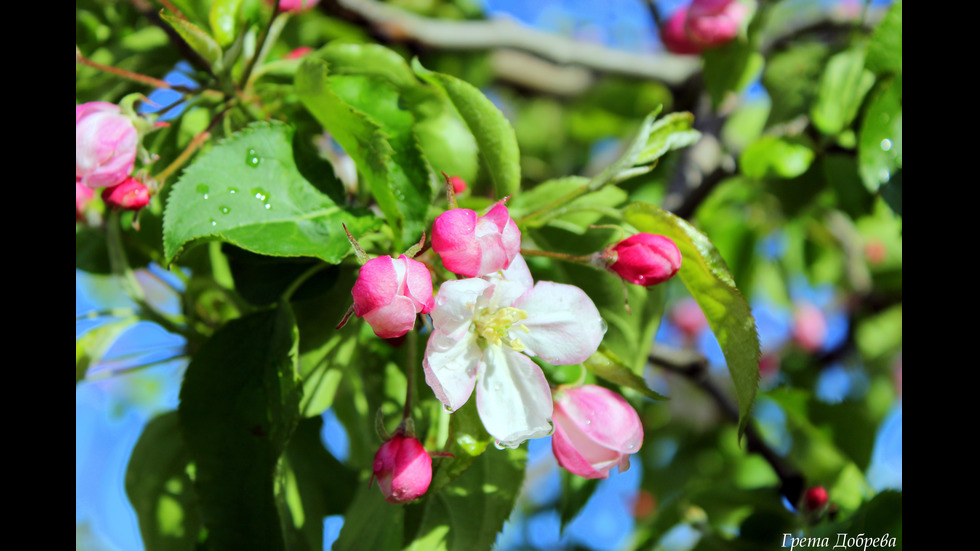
(512,397)
(578,453)
(393,319)
(456,303)
(450,367)
(563,324)
(511,283)
(603,416)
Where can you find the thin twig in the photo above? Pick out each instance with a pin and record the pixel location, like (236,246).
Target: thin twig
(694,367)
(129,75)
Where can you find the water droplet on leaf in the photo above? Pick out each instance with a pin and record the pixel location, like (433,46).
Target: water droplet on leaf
(252,158)
(203,190)
(225,210)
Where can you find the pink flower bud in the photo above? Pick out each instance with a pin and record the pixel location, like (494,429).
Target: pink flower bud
(475,246)
(815,498)
(595,430)
(646,259)
(674,35)
(295,5)
(298,52)
(459,184)
(389,292)
(809,327)
(403,469)
(131,194)
(688,317)
(105,144)
(83,196)
(713,23)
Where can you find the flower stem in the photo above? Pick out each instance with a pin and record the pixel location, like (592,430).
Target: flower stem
(129,75)
(189,150)
(586,259)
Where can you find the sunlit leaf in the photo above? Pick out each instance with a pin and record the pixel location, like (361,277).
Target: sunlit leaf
(709,281)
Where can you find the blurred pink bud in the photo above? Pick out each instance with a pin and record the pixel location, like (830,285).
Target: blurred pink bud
(298,52)
(646,259)
(688,317)
(713,23)
(131,194)
(595,430)
(475,246)
(105,144)
(769,365)
(674,34)
(459,185)
(83,196)
(403,469)
(295,5)
(815,498)
(809,327)
(875,251)
(389,292)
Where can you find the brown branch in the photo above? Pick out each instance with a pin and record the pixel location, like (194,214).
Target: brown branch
(694,367)
(398,25)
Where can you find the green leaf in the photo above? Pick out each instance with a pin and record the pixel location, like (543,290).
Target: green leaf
(239,405)
(467,441)
(673,131)
(470,512)
(576,492)
(250,192)
(316,485)
(880,141)
(770,156)
(160,490)
(885,48)
(91,346)
(200,41)
(709,281)
(843,86)
(730,68)
(605,364)
(371,523)
(381,142)
(494,135)
(791,78)
(224,20)
(368,60)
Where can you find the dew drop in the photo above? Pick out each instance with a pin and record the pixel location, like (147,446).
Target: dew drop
(203,190)
(886,144)
(268,206)
(447,408)
(232,191)
(225,210)
(603,326)
(259,194)
(884,176)
(588,421)
(252,158)
(214,222)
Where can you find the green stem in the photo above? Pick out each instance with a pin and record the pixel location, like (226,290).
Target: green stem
(127,370)
(586,259)
(411,347)
(122,270)
(259,47)
(303,278)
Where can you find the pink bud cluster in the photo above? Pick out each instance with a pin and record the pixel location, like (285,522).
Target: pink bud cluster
(403,469)
(105,153)
(472,245)
(704,24)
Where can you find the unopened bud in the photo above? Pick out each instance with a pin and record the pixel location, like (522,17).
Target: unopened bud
(473,245)
(459,185)
(131,194)
(815,498)
(105,144)
(403,469)
(646,259)
(390,292)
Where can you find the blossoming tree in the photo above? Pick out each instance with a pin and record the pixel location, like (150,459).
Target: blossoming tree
(358,228)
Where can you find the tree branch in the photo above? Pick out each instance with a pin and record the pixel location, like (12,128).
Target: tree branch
(694,367)
(398,25)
